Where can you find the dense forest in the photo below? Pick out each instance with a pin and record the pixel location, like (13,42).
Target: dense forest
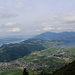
(14,51)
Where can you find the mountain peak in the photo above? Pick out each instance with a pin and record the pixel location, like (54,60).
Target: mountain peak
(57,36)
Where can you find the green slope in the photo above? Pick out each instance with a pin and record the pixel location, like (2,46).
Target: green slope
(67,70)
(51,59)
(13,72)
(14,51)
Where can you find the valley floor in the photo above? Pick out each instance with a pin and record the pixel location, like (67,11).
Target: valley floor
(52,58)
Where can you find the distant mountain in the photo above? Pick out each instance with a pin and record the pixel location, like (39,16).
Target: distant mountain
(14,39)
(10,40)
(14,51)
(51,36)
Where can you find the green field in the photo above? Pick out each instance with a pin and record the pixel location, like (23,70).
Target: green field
(50,59)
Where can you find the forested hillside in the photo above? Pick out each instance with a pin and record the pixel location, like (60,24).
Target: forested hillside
(11,52)
(14,51)
(66,70)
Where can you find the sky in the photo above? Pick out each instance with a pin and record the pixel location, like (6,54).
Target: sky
(33,17)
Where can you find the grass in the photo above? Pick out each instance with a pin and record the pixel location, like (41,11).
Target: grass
(13,72)
(54,62)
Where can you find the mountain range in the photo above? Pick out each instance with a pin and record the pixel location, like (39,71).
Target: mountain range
(11,52)
(51,36)
(41,55)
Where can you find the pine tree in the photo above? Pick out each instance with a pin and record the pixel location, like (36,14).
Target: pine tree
(25,72)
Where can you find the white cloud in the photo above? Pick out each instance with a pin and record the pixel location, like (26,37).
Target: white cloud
(45,24)
(19,5)
(59,23)
(51,22)
(48,28)
(7,15)
(11,23)
(70,18)
(37,30)
(60,28)
(14,30)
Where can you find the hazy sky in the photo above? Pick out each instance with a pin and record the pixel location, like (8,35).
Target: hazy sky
(32,17)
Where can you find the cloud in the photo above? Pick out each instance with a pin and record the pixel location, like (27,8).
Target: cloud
(14,30)
(59,23)
(19,5)
(2,7)
(48,28)
(6,15)
(10,23)
(50,23)
(70,17)
(10,27)
(37,30)
(46,24)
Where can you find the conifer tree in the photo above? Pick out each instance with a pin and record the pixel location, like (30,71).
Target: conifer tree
(25,72)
